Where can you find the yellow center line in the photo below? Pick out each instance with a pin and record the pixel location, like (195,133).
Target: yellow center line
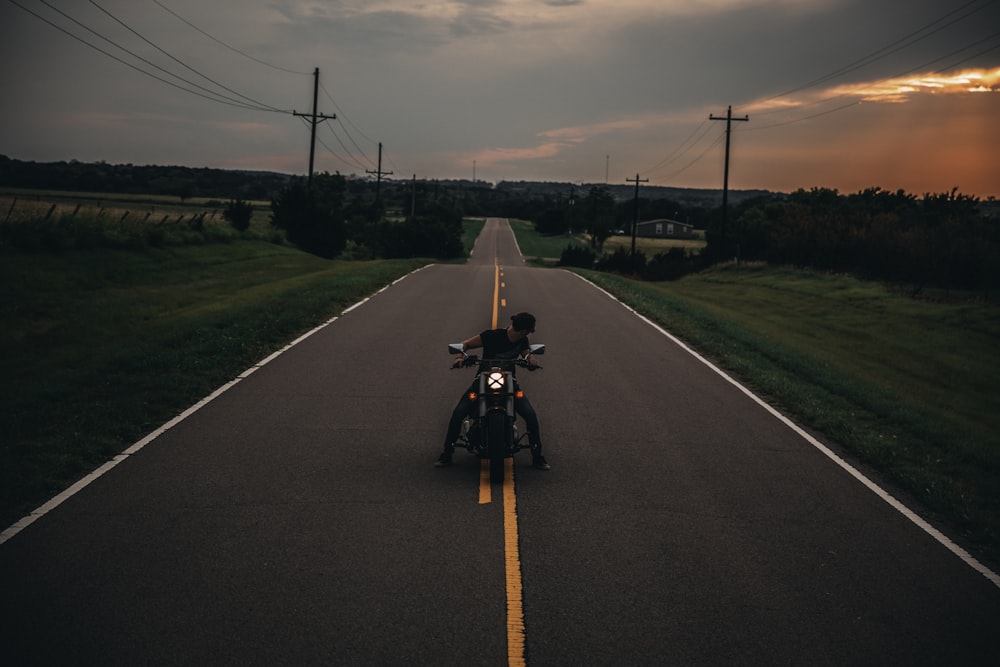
(496,292)
(512,558)
(485,490)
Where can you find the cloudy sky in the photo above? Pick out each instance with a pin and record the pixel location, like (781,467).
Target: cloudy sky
(846,94)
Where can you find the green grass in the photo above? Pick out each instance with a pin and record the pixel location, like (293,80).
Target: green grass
(533,244)
(470,231)
(102,345)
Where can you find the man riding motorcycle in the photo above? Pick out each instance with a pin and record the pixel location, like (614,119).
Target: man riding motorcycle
(510,343)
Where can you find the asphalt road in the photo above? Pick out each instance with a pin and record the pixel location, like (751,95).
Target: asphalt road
(296,518)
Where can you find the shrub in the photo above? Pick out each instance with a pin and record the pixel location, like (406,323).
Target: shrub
(313,217)
(669,265)
(577,256)
(624,262)
(238,213)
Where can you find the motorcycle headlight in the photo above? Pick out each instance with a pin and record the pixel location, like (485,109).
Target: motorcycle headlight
(495,381)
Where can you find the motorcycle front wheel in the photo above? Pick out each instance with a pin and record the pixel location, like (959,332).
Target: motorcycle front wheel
(496,442)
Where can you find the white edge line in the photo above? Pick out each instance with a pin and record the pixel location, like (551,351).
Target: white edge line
(921,523)
(75,488)
(516,244)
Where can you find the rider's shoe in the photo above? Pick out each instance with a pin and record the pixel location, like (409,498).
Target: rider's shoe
(444,460)
(538,461)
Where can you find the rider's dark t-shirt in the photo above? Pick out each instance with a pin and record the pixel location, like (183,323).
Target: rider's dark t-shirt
(496,345)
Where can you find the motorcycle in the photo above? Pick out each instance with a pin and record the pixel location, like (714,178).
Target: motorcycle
(491,431)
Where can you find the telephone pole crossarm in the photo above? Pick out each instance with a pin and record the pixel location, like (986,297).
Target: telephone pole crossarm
(378,176)
(314,119)
(635,221)
(725,178)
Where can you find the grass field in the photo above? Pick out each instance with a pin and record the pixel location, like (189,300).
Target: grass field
(18,205)
(538,246)
(535,245)
(652,247)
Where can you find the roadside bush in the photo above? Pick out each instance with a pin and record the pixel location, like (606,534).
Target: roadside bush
(423,236)
(68,232)
(624,262)
(669,265)
(313,217)
(577,256)
(238,213)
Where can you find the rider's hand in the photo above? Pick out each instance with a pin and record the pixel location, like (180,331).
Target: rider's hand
(458,362)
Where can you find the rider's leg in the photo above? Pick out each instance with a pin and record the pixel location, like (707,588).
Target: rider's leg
(462,409)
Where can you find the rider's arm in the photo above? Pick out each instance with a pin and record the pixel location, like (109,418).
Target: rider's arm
(469,344)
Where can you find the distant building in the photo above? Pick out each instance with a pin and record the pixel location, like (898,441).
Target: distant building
(664,229)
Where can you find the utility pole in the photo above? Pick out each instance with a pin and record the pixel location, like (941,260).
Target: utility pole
(725,179)
(413,199)
(314,119)
(379,174)
(635,222)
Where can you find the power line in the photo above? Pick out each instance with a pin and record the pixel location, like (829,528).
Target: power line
(177,60)
(341,112)
(212,95)
(341,117)
(718,140)
(854,103)
(889,49)
(350,159)
(332,152)
(219,41)
(682,148)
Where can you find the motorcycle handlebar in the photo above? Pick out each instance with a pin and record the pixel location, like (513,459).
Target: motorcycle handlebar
(472,360)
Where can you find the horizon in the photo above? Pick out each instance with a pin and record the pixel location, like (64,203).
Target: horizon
(493,184)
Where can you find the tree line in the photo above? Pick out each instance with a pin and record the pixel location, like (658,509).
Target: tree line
(948,240)
(944,240)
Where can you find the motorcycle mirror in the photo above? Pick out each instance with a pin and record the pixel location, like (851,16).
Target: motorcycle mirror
(537,349)
(456,348)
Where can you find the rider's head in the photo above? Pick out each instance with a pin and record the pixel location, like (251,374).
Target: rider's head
(523,322)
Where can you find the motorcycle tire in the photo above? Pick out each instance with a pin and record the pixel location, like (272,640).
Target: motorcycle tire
(496,441)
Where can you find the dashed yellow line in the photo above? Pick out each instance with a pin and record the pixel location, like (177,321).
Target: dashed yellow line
(512,559)
(496,292)
(485,490)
